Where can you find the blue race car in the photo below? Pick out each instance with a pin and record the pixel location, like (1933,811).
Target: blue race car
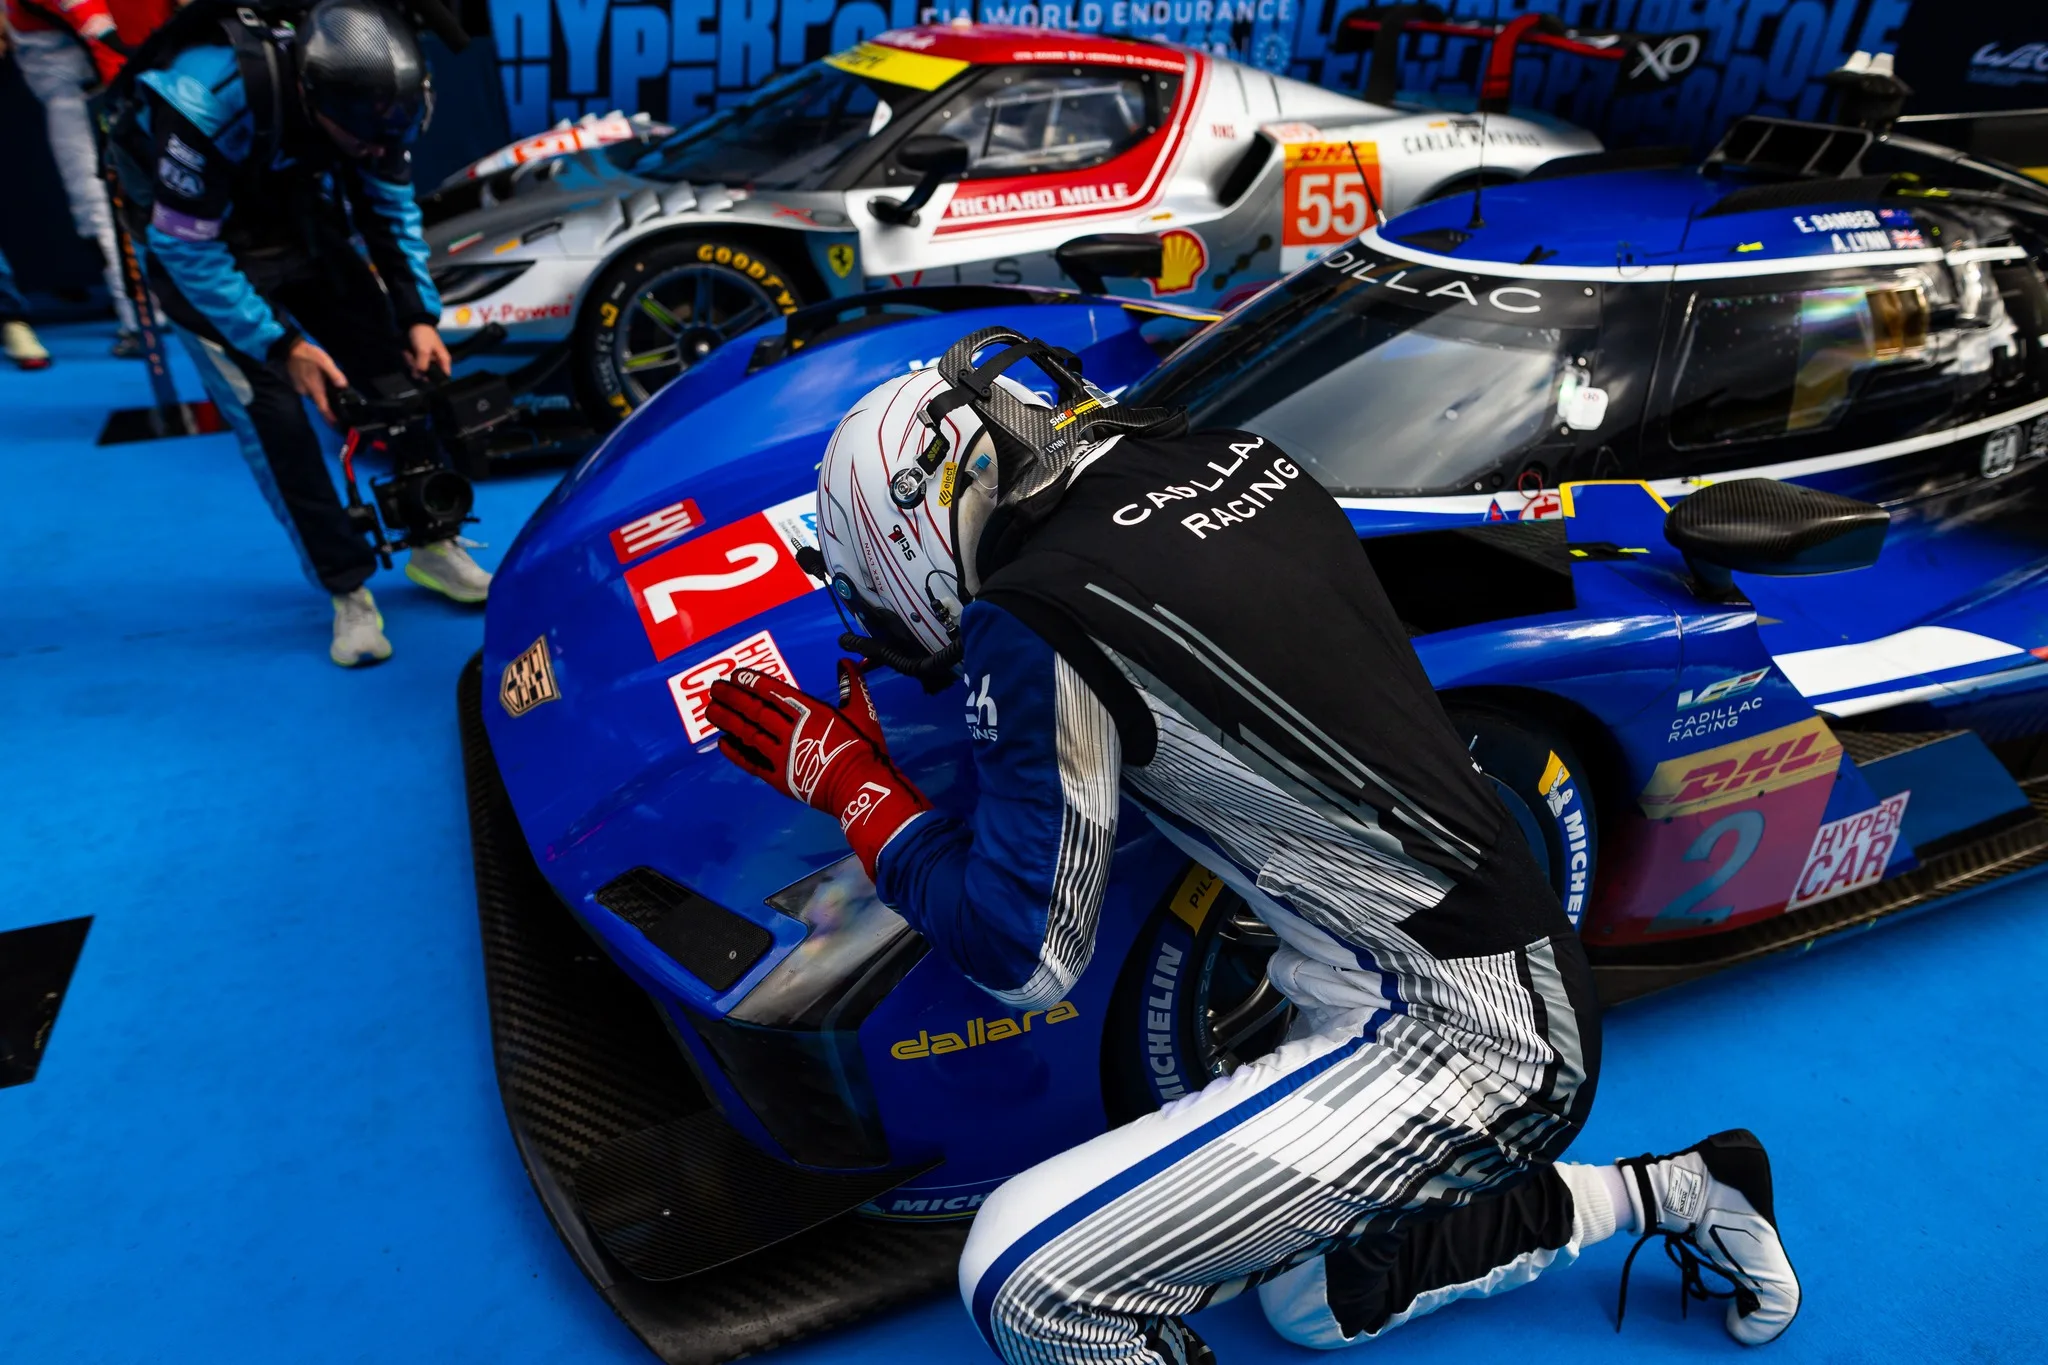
(1598,434)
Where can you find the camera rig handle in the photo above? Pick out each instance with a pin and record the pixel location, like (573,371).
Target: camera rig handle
(421,498)
(359,411)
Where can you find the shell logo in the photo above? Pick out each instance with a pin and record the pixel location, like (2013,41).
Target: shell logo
(462,317)
(1183,258)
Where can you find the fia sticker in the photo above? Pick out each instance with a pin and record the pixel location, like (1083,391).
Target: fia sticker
(691,688)
(1850,852)
(656,529)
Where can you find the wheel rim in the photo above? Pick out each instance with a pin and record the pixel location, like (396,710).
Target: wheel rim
(1241,1015)
(676,319)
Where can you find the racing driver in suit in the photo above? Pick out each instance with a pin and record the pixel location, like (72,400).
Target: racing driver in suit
(257,193)
(1186,621)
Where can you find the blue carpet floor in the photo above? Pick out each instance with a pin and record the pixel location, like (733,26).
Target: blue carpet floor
(266,1127)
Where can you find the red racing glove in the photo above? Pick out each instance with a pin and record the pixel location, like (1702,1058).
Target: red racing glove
(831,758)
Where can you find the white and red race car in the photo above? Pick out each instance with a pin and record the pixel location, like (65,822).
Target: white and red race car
(956,154)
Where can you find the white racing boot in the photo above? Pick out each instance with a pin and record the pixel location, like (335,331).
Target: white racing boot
(1711,1203)
(447,568)
(358,630)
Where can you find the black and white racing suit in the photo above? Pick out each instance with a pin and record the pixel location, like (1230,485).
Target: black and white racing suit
(1196,627)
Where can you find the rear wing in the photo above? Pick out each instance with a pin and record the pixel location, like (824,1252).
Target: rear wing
(1652,59)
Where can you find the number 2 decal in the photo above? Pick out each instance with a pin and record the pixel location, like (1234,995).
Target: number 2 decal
(1748,828)
(754,560)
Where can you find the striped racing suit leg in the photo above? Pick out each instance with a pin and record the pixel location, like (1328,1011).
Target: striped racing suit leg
(1371,1125)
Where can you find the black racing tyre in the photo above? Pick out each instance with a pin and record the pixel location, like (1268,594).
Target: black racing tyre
(1193,1001)
(662,306)
(1538,776)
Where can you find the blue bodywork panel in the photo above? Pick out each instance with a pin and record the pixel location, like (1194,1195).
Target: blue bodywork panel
(1708,725)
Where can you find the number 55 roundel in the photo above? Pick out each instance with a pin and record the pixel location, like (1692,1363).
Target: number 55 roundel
(723,577)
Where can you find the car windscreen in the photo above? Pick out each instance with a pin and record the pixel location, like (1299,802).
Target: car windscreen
(1383,376)
(788,135)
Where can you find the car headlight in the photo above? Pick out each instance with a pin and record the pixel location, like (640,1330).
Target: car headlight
(465,283)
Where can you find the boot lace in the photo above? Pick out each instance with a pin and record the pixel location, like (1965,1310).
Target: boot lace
(1682,1252)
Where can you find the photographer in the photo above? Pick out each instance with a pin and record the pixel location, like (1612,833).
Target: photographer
(268,147)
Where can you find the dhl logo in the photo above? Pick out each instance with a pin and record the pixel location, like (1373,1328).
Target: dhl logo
(979,1032)
(1748,767)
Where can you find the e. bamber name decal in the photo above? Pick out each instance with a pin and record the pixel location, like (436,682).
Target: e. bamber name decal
(978,1032)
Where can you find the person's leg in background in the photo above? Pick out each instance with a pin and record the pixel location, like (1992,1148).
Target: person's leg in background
(345,311)
(17,338)
(57,72)
(276,436)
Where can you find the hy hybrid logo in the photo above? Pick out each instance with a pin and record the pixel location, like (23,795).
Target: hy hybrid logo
(981,712)
(1724,689)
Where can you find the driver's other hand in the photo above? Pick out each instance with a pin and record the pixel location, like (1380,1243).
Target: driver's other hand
(425,350)
(314,374)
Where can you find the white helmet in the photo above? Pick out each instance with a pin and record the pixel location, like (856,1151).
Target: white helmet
(906,570)
(915,472)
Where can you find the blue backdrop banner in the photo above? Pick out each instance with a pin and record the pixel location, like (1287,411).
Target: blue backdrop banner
(681,59)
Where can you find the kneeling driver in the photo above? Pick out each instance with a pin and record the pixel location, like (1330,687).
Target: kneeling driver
(1242,679)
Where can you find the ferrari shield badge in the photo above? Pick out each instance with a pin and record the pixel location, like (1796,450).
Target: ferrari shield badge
(840,255)
(528,680)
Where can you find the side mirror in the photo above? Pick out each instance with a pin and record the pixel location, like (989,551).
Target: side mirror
(1089,260)
(1781,530)
(1579,405)
(936,158)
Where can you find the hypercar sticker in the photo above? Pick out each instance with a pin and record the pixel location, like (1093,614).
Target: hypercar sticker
(724,576)
(656,529)
(691,688)
(978,1032)
(528,680)
(1324,200)
(1769,762)
(895,66)
(1850,852)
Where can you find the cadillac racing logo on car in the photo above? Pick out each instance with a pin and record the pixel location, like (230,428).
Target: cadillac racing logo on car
(528,680)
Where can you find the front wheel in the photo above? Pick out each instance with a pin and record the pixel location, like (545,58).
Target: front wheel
(663,306)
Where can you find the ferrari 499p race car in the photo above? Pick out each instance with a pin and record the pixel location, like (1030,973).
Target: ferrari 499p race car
(1713,498)
(943,154)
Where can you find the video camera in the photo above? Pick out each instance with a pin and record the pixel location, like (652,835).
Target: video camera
(422,499)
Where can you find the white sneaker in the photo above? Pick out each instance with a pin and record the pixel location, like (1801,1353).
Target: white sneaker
(1711,1203)
(447,568)
(358,630)
(19,340)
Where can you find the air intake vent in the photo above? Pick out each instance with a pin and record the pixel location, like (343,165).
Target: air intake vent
(708,941)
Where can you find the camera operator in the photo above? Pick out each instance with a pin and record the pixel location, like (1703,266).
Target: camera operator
(268,147)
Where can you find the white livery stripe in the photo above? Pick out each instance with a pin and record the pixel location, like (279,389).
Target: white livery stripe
(1909,654)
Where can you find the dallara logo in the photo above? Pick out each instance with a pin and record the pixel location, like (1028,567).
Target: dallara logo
(978,1032)
(528,680)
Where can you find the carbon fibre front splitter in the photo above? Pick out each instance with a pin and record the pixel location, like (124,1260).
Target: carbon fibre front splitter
(594,1087)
